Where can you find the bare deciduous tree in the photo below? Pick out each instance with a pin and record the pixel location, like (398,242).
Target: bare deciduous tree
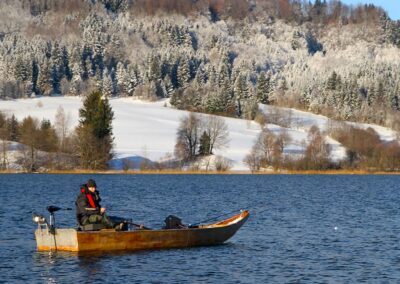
(200,135)
(29,137)
(283,139)
(188,137)
(62,122)
(253,161)
(4,156)
(265,147)
(217,131)
(317,151)
(222,164)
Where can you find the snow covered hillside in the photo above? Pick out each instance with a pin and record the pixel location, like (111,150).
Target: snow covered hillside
(148,130)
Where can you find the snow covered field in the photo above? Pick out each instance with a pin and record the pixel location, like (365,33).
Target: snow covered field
(148,129)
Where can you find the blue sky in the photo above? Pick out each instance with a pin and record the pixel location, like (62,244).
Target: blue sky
(391,6)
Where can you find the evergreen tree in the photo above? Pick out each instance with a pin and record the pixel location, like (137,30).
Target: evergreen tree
(169,87)
(94,133)
(76,81)
(201,76)
(263,88)
(66,70)
(107,85)
(212,76)
(204,142)
(371,95)
(12,125)
(241,93)
(35,75)
(21,71)
(44,79)
(55,80)
(224,69)
(332,81)
(183,72)
(154,72)
(132,80)
(121,77)
(49,140)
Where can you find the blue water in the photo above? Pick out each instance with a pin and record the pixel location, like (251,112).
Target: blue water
(303,229)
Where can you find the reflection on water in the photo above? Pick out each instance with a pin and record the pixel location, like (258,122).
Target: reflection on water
(302,229)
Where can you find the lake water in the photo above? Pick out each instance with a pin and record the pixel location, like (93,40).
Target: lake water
(303,229)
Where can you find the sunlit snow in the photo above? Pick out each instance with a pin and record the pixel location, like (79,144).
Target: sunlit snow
(148,129)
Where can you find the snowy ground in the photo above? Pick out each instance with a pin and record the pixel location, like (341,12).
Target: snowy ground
(148,130)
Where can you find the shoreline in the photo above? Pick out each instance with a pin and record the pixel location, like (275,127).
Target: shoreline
(200,172)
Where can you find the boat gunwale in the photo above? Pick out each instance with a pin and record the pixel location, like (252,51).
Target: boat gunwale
(218,225)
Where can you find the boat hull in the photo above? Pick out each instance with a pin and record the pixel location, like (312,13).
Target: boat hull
(111,240)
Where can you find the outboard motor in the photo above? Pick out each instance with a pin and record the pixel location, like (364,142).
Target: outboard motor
(52,224)
(173,222)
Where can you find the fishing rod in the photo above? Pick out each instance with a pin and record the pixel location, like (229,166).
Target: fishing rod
(140,226)
(127,221)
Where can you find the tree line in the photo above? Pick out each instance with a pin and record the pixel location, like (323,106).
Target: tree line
(54,146)
(320,11)
(365,150)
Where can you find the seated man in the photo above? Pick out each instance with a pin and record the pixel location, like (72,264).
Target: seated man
(88,208)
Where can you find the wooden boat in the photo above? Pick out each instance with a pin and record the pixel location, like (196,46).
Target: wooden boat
(112,240)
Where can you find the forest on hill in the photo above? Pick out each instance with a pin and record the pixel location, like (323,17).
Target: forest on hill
(219,57)
(213,56)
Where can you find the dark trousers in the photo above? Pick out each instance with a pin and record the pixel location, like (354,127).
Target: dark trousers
(98,219)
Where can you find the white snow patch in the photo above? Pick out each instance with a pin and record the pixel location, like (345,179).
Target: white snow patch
(147,130)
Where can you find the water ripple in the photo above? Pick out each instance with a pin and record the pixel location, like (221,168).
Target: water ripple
(302,229)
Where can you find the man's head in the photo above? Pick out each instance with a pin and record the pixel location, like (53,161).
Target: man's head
(91,184)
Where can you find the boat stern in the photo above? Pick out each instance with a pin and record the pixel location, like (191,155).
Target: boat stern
(62,239)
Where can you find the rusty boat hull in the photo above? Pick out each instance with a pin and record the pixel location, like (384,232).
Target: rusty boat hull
(111,240)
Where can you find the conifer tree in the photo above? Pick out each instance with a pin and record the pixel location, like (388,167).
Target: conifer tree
(44,79)
(94,133)
(107,85)
(332,81)
(76,81)
(12,125)
(169,88)
(263,88)
(121,77)
(204,142)
(183,72)
(154,72)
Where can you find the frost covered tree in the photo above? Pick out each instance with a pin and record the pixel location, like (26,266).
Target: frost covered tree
(217,133)
(183,72)
(263,88)
(313,54)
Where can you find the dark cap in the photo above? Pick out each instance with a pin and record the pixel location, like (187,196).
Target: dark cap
(91,183)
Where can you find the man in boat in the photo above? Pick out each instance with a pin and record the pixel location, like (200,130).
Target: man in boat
(88,208)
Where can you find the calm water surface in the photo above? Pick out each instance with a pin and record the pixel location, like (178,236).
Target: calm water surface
(303,229)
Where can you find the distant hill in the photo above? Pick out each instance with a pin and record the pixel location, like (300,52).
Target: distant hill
(211,56)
